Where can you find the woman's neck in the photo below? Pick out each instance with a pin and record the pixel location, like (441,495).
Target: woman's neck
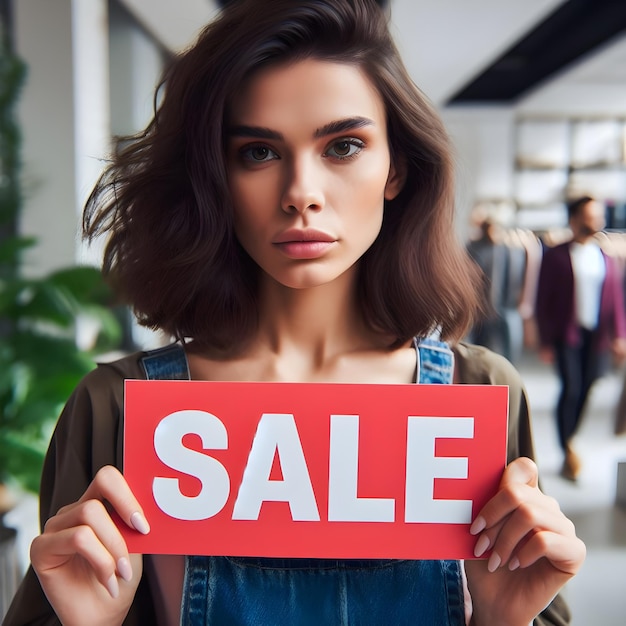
(309,335)
(320,322)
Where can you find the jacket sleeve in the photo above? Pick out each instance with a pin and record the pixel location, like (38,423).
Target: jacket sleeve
(477,365)
(619,313)
(88,436)
(544,301)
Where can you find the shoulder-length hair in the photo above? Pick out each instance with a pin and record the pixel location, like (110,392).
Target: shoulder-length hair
(164,201)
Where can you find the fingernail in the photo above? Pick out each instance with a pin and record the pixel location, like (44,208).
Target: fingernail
(124,568)
(113,587)
(494,562)
(140,523)
(514,563)
(478,526)
(481,545)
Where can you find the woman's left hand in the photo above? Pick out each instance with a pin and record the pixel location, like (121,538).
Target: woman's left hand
(534,551)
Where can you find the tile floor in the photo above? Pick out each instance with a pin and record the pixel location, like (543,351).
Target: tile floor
(597,595)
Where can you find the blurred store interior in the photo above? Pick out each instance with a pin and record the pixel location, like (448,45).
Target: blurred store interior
(533,94)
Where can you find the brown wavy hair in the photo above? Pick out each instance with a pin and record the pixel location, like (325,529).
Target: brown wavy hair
(164,202)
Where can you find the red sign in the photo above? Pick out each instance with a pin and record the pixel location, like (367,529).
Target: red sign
(312,470)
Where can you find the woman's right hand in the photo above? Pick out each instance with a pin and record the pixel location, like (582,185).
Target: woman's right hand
(81,558)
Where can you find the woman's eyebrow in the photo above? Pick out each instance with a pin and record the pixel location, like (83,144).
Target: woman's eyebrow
(341,126)
(258,132)
(336,126)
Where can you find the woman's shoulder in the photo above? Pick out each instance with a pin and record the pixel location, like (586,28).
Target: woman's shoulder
(480,366)
(106,380)
(114,368)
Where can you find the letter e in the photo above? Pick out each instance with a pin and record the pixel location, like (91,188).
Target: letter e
(422,467)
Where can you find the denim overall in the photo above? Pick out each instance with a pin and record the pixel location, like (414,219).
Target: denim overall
(238,591)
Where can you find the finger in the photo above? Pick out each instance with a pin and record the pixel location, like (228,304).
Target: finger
(565,553)
(523,471)
(518,483)
(517,477)
(486,540)
(536,514)
(50,551)
(93,514)
(109,484)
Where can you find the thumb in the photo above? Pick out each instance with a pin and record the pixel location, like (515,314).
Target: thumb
(522,470)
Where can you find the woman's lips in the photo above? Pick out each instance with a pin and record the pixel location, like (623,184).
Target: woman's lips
(304,249)
(304,244)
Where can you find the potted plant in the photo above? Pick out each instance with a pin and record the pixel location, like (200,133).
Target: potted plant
(40,360)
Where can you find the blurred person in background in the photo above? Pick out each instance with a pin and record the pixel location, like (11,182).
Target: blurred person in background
(501,257)
(580,318)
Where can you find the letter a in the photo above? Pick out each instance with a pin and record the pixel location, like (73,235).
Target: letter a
(276,434)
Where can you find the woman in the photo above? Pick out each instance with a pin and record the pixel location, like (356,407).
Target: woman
(287,216)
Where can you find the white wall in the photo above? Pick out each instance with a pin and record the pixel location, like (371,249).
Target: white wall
(483,140)
(43,36)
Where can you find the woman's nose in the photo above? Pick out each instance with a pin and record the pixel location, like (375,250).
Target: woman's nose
(303,189)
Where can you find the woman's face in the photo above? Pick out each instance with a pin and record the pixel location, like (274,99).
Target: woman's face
(309,169)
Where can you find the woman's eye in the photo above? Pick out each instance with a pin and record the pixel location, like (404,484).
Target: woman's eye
(345,148)
(258,154)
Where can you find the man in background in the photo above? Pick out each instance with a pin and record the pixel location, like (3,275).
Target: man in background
(580,318)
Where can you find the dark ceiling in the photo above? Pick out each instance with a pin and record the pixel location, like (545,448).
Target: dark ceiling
(574,29)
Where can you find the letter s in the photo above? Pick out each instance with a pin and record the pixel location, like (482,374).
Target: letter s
(168,445)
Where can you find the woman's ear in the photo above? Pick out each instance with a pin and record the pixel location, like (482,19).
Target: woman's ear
(396,178)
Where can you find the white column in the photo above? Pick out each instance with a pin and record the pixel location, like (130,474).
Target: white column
(64,118)
(92,123)
(43,38)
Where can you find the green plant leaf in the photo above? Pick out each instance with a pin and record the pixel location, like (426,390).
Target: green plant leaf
(84,283)
(11,248)
(109,334)
(42,302)
(23,459)
(46,355)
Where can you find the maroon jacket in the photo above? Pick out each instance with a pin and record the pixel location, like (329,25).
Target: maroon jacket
(555,308)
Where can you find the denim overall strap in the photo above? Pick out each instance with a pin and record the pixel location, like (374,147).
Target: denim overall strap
(242,591)
(435,361)
(168,363)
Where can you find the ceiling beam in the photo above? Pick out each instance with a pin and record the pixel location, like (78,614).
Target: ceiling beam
(572,31)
